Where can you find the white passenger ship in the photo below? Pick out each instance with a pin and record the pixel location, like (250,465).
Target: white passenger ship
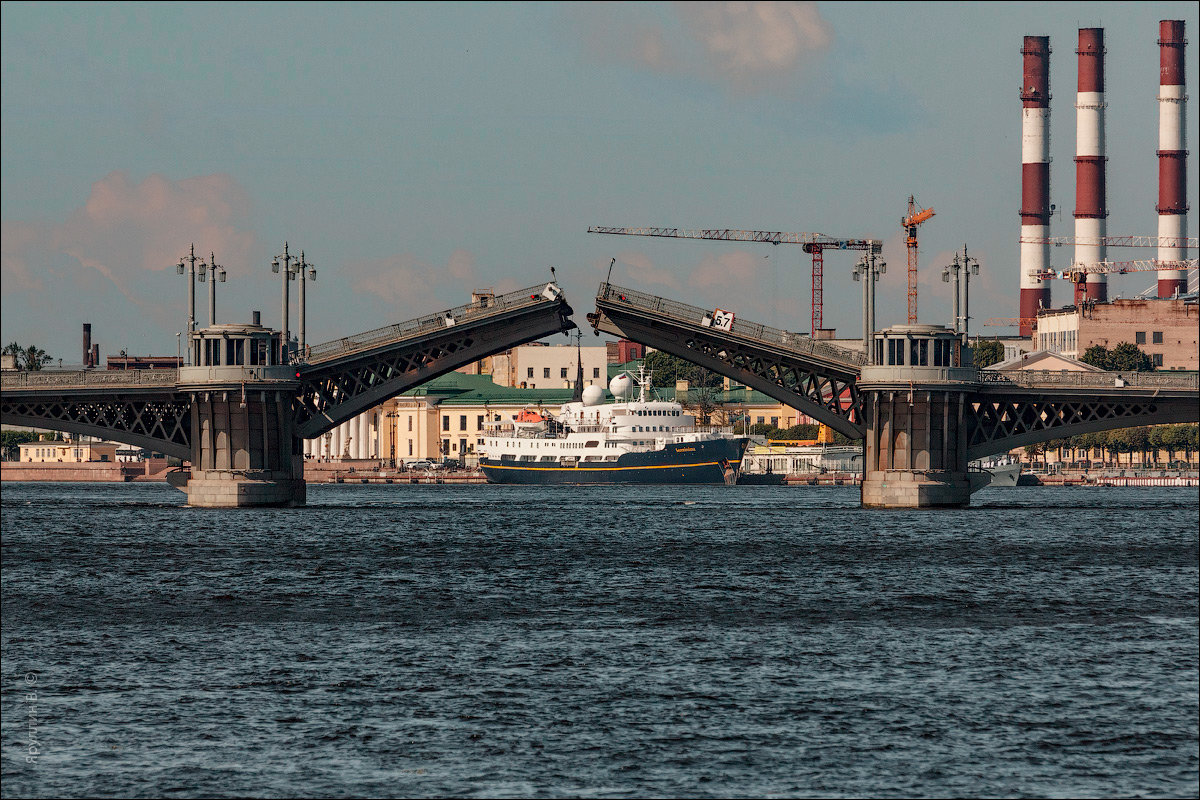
(635,439)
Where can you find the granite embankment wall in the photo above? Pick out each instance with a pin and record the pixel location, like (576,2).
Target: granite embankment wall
(154,469)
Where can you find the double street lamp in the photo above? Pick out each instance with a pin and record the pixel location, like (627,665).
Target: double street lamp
(964,267)
(218,274)
(196,268)
(868,269)
(289,267)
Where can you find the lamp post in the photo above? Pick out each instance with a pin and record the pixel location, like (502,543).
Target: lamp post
(970,267)
(951,273)
(868,269)
(308,272)
(217,273)
(188,264)
(960,271)
(288,271)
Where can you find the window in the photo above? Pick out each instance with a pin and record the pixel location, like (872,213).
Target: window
(775,421)
(529,372)
(1139,337)
(1156,359)
(410,447)
(410,422)
(462,422)
(479,422)
(918,355)
(595,372)
(761,420)
(941,353)
(1156,337)
(562,372)
(445,422)
(895,355)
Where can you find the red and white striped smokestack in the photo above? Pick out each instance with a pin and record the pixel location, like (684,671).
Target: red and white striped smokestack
(1172,153)
(1090,209)
(1035,177)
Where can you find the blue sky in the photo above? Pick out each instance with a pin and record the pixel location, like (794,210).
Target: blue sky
(419,152)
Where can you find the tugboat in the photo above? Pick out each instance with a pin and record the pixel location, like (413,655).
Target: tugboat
(635,439)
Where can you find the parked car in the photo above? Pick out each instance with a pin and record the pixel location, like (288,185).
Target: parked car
(420,465)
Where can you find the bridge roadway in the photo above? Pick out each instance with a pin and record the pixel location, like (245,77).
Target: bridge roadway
(331,383)
(1000,410)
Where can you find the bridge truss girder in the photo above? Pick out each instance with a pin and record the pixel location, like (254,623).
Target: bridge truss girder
(333,392)
(827,394)
(997,424)
(159,421)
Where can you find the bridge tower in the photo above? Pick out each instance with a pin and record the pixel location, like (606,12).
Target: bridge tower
(915,401)
(244,448)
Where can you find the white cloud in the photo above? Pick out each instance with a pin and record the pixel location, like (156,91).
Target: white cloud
(745,43)
(748,47)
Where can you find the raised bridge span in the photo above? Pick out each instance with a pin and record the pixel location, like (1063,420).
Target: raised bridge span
(917,402)
(241,424)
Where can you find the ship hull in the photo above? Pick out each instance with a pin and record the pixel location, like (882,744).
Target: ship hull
(704,462)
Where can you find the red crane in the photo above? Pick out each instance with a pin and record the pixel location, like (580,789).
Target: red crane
(814,243)
(916,215)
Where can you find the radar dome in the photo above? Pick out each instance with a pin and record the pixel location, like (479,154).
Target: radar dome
(620,385)
(592,395)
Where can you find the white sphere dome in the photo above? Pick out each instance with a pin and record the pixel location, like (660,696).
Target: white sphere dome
(593,395)
(620,385)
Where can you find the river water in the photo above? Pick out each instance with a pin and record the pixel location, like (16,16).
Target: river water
(654,641)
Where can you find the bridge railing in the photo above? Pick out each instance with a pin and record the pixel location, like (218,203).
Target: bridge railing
(1034,378)
(796,342)
(486,306)
(89,379)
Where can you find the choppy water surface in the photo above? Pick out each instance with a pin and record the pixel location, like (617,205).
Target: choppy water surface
(497,641)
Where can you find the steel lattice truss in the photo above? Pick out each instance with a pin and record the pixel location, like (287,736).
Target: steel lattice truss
(335,391)
(998,424)
(160,421)
(382,375)
(829,397)
(826,393)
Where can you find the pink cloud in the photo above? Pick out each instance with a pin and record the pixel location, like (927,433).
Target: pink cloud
(413,287)
(125,229)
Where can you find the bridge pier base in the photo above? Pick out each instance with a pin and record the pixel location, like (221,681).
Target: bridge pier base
(915,409)
(245,452)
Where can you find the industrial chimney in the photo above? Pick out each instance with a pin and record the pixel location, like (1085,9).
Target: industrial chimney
(87,345)
(1172,154)
(1090,209)
(1035,178)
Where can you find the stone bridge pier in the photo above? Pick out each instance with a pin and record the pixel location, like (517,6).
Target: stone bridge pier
(244,446)
(915,402)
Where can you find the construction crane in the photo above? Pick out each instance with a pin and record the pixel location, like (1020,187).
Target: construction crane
(814,243)
(1010,322)
(1114,241)
(1079,272)
(916,215)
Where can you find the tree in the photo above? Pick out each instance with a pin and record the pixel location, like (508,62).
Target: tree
(27,358)
(10,440)
(665,369)
(987,352)
(1097,355)
(1127,357)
